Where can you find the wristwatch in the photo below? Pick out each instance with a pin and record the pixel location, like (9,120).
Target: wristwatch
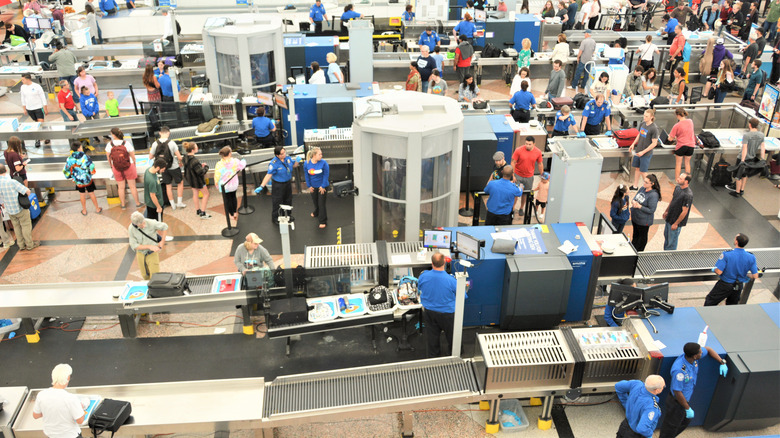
(723,361)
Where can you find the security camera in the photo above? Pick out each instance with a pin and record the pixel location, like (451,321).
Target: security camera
(286,207)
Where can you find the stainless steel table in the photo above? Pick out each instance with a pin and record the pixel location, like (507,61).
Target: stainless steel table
(191,408)
(13,396)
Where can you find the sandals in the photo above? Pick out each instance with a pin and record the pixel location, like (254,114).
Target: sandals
(323,226)
(84,212)
(99,210)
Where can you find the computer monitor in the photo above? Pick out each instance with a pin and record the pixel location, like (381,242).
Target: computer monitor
(480,15)
(468,245)
(624,297)
(44,23)
(437,239)
(31,23)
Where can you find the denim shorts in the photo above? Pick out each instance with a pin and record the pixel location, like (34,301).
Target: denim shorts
(643,162)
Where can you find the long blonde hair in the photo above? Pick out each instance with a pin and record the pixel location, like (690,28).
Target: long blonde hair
(705,63)
(312,152)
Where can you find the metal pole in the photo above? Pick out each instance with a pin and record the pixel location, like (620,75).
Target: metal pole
(172,15)
(460,298)
(174,74)
(245,209)
(229,231)
(291,117)
(132,94)
(284,224)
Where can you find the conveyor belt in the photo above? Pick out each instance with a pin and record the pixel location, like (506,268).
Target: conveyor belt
(201,284)
(688,262)
(368,385)
(179,134)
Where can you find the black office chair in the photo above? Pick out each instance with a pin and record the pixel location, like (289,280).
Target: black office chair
(696,94)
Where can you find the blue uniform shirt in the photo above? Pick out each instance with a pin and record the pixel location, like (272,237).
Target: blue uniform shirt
(735,265)
(466,28)
(349,15)
(563,125)
(408,16)
(429,40)
(281,170)
(437,291)
(316,13)
(522,100)
(166,85)
(107,5)
(262,126)
(684,376)
(595,113)
(642,410)
(502,196)
(671,25)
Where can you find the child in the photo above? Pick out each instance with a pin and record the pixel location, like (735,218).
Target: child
(439,58)
(195,174)
(79,169)
(112,105)
(563,120)
(619,211)
(89,104)
(541,191)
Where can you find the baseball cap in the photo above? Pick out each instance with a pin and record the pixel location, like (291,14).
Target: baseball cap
(498,156)
(254,238)
(719,41)
(546,175)
(427,28)
(587,31)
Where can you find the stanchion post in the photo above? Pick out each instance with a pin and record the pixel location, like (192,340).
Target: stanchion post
(245,208)
(230,231)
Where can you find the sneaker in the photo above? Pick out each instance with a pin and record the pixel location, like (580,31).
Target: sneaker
(168,238)
(205,216)
(34,245)
(633,188)
(180,205)
(736,194)
(37,143)
(173,206)
(731,187)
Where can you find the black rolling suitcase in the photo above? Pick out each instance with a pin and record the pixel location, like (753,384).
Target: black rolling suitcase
(109,416)
(167,284)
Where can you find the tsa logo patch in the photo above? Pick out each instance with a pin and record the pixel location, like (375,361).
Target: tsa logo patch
(651,415)
(721,257)
(680,377)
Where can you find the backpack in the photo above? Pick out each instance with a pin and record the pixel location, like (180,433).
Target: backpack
(491,51)
(708,140)
(164,152)
(659,101)
(694,23)
(580,100)
(720,173)
(625,137)
(120,157)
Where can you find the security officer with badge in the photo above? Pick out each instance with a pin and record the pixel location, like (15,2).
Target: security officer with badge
(734,267)
(280,169)
(596,111)
(317,15)
(641,403)
(685,370)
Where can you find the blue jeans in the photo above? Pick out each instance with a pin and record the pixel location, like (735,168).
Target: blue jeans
(670,237)
(770,30)
(720,95)
(424,86)
(75,93)
(67,118)
(582,72)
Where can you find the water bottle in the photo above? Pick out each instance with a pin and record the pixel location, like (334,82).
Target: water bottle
(703,337)
(342,305)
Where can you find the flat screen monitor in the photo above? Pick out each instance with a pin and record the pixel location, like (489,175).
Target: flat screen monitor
(31,23)
(660,291)
(44,23)
(480,15)
(437,239)
(624,294)
(468,245)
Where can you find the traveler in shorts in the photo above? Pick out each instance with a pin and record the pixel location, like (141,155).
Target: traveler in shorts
(120,174)
(642,147)
(79,169)
(682,131)
(173,159)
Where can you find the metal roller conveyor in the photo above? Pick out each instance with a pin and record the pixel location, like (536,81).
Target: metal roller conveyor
(226,129)
(128,124)
(361,258)
(696,264)
(389,385)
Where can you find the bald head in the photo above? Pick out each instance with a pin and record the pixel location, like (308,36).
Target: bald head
(437,261)
(654,384)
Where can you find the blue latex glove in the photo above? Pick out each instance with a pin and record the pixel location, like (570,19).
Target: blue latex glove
(689,413)
(581,134)
(608,133)
(724,369)
(615,92)
(261,190)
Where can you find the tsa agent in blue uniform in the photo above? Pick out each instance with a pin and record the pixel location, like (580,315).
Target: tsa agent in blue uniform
(280,169)
(429,38)
(522,102)
(685,370)
(502,194)
(596,111)
(437,296)
(408,15)
(641,403)
(264,128)
(465,28)
(317,15)
(563,120)
(734,267)
(166,85)
(349,13)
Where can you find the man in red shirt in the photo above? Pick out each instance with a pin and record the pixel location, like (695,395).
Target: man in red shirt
(676,49)
(65,99)
(524,160)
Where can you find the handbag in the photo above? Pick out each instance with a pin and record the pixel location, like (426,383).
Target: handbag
(24,198)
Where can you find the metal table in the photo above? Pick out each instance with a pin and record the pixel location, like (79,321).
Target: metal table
(14,396)
(191,408)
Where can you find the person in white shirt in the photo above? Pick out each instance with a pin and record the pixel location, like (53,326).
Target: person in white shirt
(317,74)
(646,53)
(34,101)
(62,412)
